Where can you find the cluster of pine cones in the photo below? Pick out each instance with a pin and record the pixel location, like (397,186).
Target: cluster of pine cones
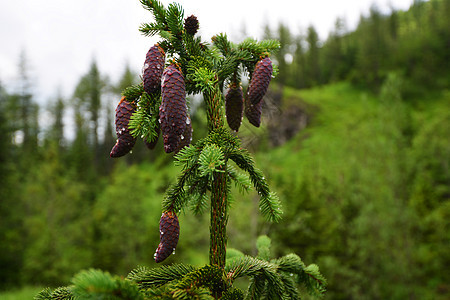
(174,121)
(234,100)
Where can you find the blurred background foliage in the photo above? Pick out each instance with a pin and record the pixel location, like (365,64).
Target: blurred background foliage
(355,140)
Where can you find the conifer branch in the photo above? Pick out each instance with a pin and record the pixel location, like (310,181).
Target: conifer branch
(310,275)
(233,294)
(179,281)
(156,8)
(61,293)
(175,196)
(174,18)
(194,46)
(222,43)
(259,270)
(290,288)
(150,278)
(263,245)
(241,180)
(256,288)
(44,294)
(134,92)
(95,284)
(170,291)
(150,29)
(210,276)
(269,203)
(144,122)
(252,51)
(211,160)
(199,202)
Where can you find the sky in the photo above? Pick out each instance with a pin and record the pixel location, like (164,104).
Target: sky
(60,39)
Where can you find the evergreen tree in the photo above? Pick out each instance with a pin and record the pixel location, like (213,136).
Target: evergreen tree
(55,133)
(372,49)
(312,58)
(333,61)
(285,39)
(11,229)
(28,109)
(207,168)
(88,99)
(299,63)
(59,229)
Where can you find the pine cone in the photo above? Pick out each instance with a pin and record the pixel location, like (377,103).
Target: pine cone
(125,141)
(234,106)
(260,80)
(253,112)
(153,69)
(191,25)
(186,137)
(173,109)
(169,231)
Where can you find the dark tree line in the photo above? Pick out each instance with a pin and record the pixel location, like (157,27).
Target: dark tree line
(50,180)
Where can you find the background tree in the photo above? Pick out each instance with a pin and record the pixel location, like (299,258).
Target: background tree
(88,99)
(55,133)
(11,227)
(312,71)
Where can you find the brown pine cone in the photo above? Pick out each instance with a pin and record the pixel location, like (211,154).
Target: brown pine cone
(234,106)
(125,141)
(153,69)
(191,25)
(260,80)
(173,109)
(186,137)
(169,231)
(253,112)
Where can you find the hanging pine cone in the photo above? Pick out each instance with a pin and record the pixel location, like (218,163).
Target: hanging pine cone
(153,69)
(125,141)
(169,231)
(191,25)
(186,137)
(173,109)
(234,106)
(253,112)
(260,80)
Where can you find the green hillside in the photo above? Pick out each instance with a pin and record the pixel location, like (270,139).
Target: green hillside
(365,189)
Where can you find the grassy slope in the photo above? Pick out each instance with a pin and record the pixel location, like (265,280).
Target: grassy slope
(346,182)
(22,294)
(335,179)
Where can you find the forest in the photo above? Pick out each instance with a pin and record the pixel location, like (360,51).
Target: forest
(354,139)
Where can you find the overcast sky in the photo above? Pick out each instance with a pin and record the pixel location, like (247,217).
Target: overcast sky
(60,38)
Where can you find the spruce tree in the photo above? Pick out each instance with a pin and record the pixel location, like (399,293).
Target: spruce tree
(179,64)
